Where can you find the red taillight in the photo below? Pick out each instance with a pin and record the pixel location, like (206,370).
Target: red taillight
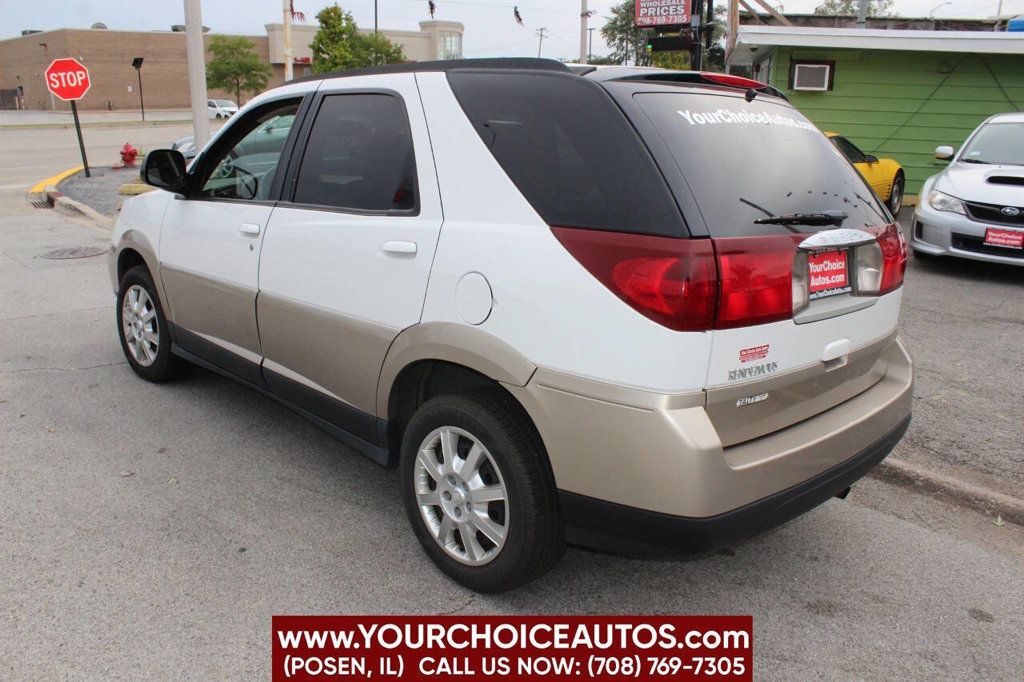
(671,281)
(756,280)
(894,257)
(732,81)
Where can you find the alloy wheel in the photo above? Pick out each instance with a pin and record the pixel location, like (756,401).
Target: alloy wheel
(140,326)
(461,495)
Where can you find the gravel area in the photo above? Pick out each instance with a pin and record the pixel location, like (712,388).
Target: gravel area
(100,191)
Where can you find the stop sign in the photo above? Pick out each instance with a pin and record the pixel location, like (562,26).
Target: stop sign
(67,78)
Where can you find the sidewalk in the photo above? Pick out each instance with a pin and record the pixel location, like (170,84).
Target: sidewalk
(92,118)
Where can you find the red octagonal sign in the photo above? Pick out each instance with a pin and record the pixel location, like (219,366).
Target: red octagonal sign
(67,78)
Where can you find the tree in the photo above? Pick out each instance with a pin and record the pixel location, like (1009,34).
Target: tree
(339,45)
(876,8)
(628,42)
(235,67)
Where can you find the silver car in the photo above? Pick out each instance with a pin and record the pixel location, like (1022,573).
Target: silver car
(975,207)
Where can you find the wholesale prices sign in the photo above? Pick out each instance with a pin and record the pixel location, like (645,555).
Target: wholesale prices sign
(528,648)
(662,12)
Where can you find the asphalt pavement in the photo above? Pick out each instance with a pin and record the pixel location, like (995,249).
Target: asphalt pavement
(150,532)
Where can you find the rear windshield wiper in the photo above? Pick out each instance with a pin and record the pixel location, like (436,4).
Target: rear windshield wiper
(823,218)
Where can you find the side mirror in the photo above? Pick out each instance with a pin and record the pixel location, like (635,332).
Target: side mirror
(944,153)
(164,168)
(870,158)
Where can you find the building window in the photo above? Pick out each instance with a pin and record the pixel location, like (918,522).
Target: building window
(451,45)
(815,76)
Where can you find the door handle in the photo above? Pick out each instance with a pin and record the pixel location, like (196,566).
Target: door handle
(399,247)
(249,229)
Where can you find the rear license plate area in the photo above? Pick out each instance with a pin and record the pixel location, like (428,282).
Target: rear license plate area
(1007,239)
(828,273)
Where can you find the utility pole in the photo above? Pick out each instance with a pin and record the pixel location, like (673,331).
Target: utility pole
(288,59)
(696,46)
(590,44)
(540,44)
(376,29)
(196,54)
(584,18)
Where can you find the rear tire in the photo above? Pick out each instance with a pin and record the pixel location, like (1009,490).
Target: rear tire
(895,202)
(921,255)
(142,328)
(506,505)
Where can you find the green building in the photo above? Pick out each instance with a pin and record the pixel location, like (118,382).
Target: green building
(894,93)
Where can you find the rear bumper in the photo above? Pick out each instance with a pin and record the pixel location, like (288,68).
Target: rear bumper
(627,460)
(616,528)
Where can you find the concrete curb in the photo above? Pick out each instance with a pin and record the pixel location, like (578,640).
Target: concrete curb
(920,479)
(76,208)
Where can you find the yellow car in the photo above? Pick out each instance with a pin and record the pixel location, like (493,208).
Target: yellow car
(884,175)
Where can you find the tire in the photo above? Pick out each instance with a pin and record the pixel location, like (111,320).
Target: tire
(142,328)
(921,255)
(895,202)
(511,458)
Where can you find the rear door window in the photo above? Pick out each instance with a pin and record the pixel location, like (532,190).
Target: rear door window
(359,156)
(749,160)
(570,150)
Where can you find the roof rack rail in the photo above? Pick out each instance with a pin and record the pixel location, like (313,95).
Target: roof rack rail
(501,63)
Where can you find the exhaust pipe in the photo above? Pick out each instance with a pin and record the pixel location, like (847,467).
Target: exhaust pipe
(843,493)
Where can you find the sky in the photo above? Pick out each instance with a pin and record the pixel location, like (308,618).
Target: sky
(490,28)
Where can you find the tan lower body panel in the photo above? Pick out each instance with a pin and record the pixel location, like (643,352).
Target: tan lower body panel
(212,308)
(335,353)
(665,456)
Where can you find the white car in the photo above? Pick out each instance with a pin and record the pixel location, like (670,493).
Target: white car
(570,306)
(221,108)
(975,207)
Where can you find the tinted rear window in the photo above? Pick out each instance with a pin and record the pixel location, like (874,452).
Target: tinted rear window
(746,160)
(569,150)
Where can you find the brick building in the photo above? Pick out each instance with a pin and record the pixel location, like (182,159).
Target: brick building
(108,55)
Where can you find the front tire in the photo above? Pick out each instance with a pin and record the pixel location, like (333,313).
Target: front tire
(478,491)
(142,328)
(895,202)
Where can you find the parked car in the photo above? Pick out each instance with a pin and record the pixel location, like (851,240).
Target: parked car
(186,145)
(271,134)
(619,330)
(975,207)
(221,108)
(885,176)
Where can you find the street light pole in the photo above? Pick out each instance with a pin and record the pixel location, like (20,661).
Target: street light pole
(590,44)
(288,69)
(584,17)
(196,71)
(376,29)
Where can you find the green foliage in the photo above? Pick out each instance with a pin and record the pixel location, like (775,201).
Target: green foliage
(628,42)
(339,45)
(671,60)
(235,67)
(876,8)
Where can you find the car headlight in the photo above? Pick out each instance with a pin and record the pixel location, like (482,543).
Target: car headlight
(941,201)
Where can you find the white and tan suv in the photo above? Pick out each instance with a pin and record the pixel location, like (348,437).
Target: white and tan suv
(629,309)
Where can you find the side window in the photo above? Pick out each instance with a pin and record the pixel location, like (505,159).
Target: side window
(359,156)
(849,150)
(246,170)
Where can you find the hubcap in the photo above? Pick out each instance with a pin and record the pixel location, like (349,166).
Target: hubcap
(139,325)
(461,495)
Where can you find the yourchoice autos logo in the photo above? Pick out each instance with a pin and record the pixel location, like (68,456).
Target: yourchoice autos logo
(728,116)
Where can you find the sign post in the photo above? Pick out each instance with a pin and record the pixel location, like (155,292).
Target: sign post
(67,79)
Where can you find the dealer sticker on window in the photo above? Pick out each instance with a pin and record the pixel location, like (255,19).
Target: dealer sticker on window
(827,274)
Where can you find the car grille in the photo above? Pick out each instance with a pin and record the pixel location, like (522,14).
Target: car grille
(990,213)
(966,242)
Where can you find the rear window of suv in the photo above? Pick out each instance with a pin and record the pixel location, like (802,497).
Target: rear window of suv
(748,160)
(570,150)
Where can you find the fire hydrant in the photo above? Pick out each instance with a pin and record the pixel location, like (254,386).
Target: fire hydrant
(128,154)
